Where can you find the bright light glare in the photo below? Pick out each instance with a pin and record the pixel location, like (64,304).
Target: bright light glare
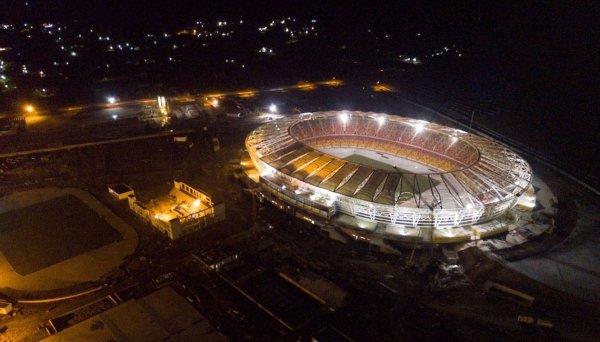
(344,117)
(196,203)
(266,172)
(114,117)
(29,109)
(381,120)
(419,127)
(527,201)
(111,99)
(528,204)
(469,206)
(273,108)
(215,102)
(162,102)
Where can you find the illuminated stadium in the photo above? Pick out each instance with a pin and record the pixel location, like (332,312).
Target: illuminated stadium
(389,176)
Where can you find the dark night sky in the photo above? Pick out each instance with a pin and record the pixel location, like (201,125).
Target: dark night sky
(550,45)
(566,24)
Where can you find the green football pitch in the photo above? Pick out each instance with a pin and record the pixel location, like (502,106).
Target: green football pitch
(45,233)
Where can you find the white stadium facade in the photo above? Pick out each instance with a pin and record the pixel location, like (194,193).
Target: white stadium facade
(389,176)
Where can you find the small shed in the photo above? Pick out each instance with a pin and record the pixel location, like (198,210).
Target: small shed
(5,308)
(120,191)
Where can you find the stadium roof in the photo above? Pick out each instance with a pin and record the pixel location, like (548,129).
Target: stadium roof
(470,170)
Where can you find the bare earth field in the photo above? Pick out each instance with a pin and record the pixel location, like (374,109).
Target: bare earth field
(46,233)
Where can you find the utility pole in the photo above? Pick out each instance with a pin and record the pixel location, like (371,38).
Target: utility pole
(471,123)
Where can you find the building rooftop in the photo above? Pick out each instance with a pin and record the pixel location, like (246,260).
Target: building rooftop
(161,316)
(176,204)
(120,188)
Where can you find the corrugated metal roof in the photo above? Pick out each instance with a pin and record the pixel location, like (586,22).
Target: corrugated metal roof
(367,192)
(334,181)
(388,192)
(349,188)
(312,167)
(328,169)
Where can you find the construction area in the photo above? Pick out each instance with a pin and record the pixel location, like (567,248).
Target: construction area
(259,271)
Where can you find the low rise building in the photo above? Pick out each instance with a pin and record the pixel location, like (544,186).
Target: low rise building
(163,315)
(185,209)
(5,308)
(120,191)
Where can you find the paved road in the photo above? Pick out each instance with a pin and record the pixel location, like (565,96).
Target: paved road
(93,143)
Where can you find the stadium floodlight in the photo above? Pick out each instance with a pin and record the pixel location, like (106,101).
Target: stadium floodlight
(419,127)
(344,117)
(111,99)
(273,108)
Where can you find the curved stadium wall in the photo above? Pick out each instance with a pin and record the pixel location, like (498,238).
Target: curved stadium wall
(470,179)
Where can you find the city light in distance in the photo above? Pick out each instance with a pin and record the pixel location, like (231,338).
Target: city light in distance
(273,108)
(111,99)
(29,108)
